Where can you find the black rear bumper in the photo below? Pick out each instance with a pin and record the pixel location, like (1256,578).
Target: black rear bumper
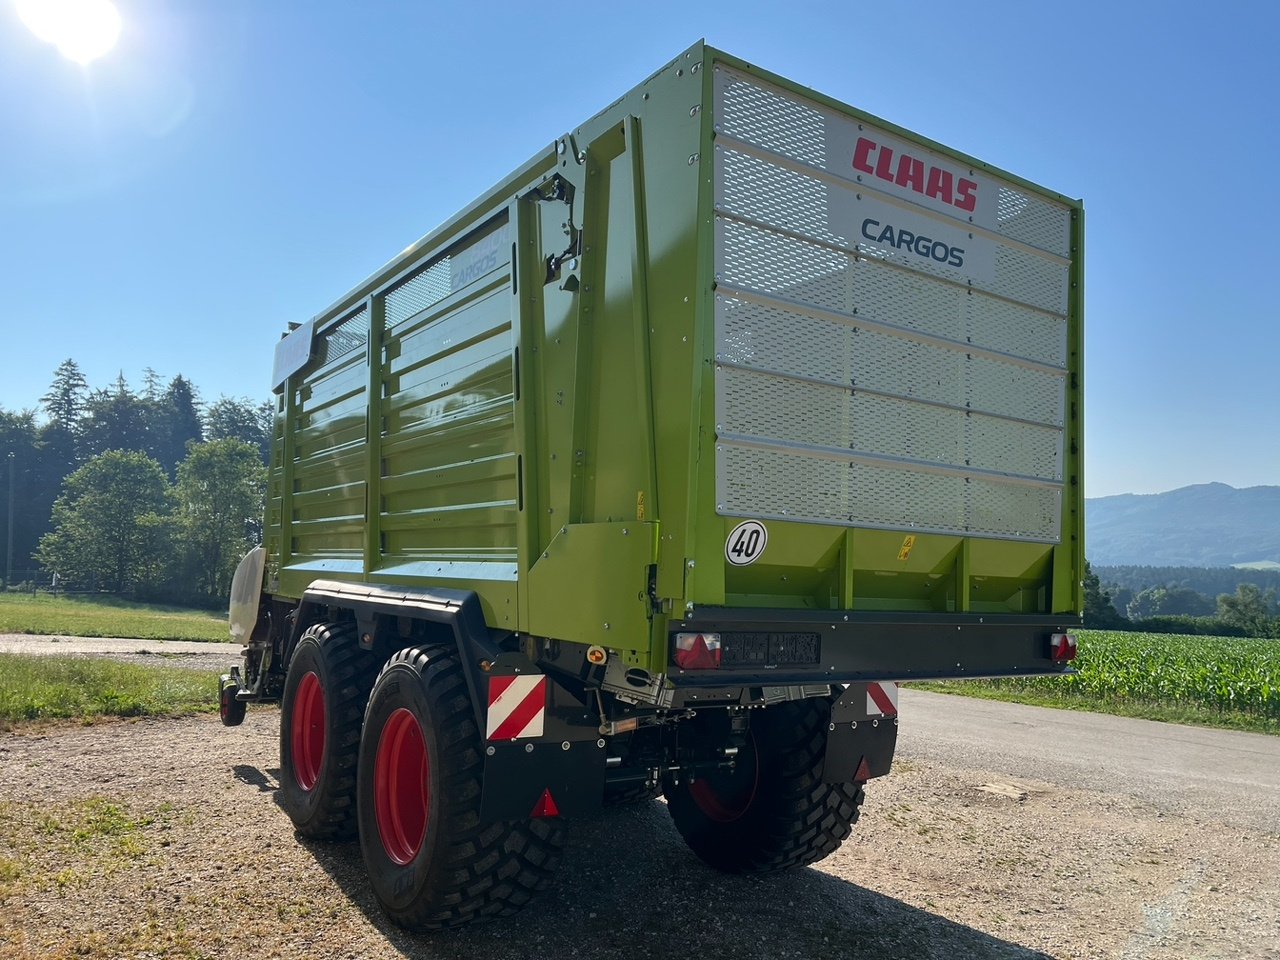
(854,646)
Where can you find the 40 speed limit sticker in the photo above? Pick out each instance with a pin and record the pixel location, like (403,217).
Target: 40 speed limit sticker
(746,542)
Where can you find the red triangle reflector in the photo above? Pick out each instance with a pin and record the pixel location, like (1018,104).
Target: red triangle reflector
(864,772)
(546,806)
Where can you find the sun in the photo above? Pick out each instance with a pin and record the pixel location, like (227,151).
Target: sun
(82,30)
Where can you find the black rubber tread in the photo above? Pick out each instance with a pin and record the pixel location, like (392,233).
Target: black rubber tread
(795,818)
(328,811)
(465,870)
(230,710)
(629,794)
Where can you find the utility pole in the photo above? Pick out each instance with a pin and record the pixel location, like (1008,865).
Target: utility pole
(8,554)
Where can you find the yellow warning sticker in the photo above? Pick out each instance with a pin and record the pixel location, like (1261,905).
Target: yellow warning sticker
(640,505)
(907,544)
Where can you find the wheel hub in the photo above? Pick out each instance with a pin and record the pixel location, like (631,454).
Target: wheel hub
(401,790)
(308,732)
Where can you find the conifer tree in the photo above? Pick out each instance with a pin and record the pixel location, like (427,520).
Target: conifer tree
(64,403)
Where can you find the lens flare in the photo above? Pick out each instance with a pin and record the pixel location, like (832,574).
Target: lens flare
(82,30)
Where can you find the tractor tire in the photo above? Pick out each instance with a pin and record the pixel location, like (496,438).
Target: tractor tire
(431,863)
(230,710)
(773,811)
(325,693)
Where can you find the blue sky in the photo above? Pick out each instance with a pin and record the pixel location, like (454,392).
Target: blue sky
(233,166)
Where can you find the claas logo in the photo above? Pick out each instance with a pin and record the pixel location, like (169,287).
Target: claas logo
(904,170)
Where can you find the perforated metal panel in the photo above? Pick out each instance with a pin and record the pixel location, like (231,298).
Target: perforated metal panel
(869,378)
(784,411)
(428,286)
(771,118)
(467,262)
(1034,221)
(780,485)
(348,334)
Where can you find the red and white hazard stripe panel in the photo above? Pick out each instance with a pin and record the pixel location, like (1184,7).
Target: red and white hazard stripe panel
(882,699)
(517,707)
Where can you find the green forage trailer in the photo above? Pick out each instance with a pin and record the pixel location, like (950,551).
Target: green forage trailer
(655,469)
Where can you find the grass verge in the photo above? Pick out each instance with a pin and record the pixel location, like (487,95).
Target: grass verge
(46,688)
(106,617)
(1021,691)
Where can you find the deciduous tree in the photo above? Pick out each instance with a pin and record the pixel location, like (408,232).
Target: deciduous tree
(239,418)
(110,525)
(1098,609)
(1249,608)
(220,492)
(1170,601)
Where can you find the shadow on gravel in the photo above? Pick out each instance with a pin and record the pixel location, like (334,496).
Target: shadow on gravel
(267,782)
(629,888)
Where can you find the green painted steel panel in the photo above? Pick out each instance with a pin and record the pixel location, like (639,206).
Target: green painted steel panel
(533,414)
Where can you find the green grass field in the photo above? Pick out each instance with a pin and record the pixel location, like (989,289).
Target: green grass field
(106,617)
(1218,681)
(49,688)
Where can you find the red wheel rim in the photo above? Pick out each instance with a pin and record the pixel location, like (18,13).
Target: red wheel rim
(308,731)
(725,796)
(400,787)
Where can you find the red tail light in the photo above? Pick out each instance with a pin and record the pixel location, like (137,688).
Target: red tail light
(697,651)
(1062,647)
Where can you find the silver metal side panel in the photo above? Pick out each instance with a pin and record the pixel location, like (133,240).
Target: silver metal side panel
(891,334)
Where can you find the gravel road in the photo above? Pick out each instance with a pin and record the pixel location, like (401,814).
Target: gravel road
(196,654)
(1185,771)
(1004,831)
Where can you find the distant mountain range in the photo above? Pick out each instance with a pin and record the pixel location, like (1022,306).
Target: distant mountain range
(1206,525)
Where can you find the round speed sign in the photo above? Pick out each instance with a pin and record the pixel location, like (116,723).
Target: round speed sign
(746,542)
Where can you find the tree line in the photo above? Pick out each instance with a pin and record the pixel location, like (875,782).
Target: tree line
(1127,581)
(1250,610)
(149,493)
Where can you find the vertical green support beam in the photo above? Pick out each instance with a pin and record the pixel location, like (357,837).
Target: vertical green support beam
(595,230)
(288,454)
(964,581)
(646,509)
(526,301)
(640,324)
(1077,398)
(373,437)
(846,593)
(704,528)
(1068,556)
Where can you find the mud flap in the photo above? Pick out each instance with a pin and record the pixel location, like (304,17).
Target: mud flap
(543,752)
(863,733)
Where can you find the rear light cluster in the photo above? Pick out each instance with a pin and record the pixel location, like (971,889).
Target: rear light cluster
(697,651)
(746,650)
(703,651)
(1062,647)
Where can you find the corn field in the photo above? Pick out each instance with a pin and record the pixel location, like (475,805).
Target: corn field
(1225,674)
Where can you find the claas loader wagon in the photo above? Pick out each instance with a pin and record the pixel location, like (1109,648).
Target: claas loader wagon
(655,469)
